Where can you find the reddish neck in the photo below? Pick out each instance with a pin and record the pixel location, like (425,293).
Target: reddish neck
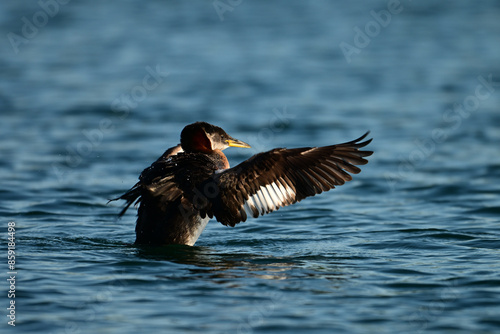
(222,162)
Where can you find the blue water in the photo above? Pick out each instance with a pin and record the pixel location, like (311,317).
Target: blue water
(410,245)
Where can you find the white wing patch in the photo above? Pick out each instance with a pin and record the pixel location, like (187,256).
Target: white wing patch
(269,198)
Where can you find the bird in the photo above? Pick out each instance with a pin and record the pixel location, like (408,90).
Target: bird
(192,182)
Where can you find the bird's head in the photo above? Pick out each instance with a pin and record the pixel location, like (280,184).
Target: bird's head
(205,137)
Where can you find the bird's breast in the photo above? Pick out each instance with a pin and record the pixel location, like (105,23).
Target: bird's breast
(220,159)
(196,229)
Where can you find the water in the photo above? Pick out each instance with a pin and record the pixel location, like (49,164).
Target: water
(411,245)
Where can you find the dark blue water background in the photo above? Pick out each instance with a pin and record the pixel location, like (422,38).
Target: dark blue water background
(411,245)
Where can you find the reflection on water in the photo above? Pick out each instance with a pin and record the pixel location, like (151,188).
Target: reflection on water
(221,268)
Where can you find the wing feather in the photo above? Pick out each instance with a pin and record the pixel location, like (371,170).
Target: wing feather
(280,177)
(170,178)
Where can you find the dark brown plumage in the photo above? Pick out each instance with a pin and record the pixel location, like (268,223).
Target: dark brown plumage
(192,182)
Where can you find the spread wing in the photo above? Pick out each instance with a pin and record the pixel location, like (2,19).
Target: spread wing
(165,179)
(281,177)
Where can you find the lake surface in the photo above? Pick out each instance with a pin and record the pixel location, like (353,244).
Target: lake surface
(92,92)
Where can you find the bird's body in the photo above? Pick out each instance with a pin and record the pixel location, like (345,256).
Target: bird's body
(193,182)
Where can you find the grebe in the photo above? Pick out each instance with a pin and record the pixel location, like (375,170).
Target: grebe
(192,182)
